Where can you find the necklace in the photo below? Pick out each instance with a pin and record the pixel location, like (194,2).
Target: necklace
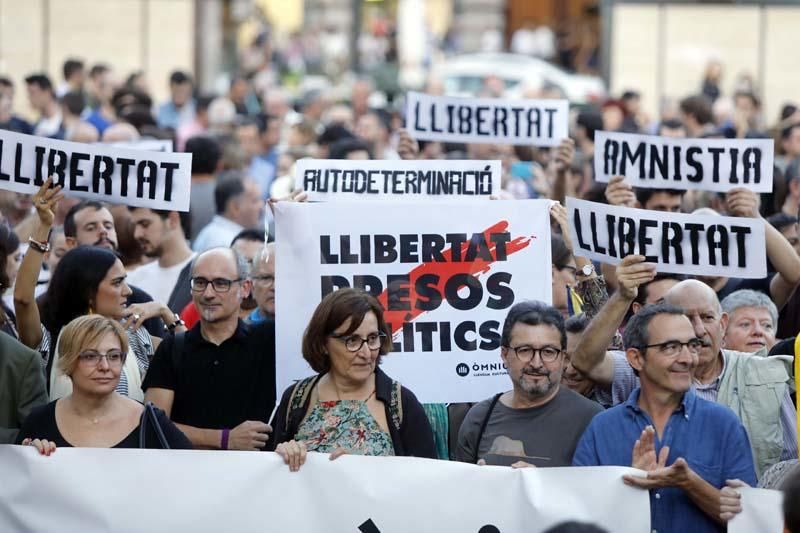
(339,396)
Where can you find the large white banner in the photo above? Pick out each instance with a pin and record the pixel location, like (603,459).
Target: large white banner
(153,491)
(142,178)
(343,179)
(446,275)
(761,511)
(668,163)
(675,242)
(487,120)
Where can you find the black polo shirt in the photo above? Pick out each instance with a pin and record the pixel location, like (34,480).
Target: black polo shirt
(221,386)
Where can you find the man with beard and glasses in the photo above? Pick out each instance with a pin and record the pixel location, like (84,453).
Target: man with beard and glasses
(217,381)
(687,446)
(90,223)
(537,423)
(162,235)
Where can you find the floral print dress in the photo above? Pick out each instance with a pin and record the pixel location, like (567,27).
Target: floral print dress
(344,424)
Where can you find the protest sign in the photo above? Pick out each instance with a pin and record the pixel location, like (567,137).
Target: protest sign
(761,511)
(675,242)
(98,172)
(329,179)
(91,489)
(446,277)
(487,120)
(684,164)
(154,145)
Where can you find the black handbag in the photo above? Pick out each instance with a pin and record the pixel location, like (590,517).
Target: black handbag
(149,416)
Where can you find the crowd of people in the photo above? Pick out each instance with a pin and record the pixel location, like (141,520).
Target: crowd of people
(136,327)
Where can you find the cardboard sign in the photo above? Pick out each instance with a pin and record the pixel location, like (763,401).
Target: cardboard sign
(446,277)
(675,242)
(668,163)
(487,120)
(137,490)
(336,179)
(138,178)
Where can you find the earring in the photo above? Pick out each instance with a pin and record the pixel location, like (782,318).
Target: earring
(91,310)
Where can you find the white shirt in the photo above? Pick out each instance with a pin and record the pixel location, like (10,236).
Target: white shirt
(157,281)
(219,232)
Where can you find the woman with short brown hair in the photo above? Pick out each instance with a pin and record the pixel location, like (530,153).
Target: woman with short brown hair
(350,406)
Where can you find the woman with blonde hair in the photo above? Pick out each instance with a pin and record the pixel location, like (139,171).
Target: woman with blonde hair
(92,352)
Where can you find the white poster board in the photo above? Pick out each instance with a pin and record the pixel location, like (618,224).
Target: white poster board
(397,180)
(654,162)
(487,120)
(684,244)
(133,177)
(447,276)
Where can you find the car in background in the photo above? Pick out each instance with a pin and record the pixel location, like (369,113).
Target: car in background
(464,75)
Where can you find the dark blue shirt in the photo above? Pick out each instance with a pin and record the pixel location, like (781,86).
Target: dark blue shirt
(707,435)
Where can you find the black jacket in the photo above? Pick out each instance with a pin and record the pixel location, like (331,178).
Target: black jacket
(414,438)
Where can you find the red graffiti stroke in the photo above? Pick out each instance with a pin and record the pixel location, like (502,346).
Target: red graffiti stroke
(447,269)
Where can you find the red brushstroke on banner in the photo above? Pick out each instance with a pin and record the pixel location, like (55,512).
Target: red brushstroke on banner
(447,269)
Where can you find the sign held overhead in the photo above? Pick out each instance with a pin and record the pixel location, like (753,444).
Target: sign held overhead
(684,164)
(487,120)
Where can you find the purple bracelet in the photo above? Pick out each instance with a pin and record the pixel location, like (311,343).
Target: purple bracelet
(225,434)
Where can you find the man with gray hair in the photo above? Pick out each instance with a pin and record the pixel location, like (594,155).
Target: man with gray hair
(538,422)
(217,381)
(262,274)
(752,322)
(756,388)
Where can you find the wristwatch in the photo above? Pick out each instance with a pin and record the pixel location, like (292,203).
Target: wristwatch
(587,270)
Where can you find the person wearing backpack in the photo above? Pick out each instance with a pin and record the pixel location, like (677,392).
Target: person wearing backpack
(351,405)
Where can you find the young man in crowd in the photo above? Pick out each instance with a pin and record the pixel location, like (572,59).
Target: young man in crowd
(42,98)
(162,236)
(239,206)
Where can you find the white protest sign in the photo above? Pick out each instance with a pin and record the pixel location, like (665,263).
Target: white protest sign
(486,120)
(446,276)
(669,163)
(93,490)
(761,511)
(154,145)
(336,179)
(675,242)
(94,171)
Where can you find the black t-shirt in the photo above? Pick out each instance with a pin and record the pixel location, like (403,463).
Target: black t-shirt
(41,424)
(218,387)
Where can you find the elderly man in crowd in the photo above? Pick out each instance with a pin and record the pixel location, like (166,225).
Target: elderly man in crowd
(262,274)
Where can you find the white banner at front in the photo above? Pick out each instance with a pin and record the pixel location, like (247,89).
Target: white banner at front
(668,163)
(344,179)
(761,512)
(486,120)
(675,242)
(446,275)
(141,178)
(94,490)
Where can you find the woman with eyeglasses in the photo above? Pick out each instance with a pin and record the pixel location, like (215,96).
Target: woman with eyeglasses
(92,353)
(351,405)
(87,280)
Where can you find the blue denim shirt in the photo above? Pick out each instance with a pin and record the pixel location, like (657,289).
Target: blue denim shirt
(707,435)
